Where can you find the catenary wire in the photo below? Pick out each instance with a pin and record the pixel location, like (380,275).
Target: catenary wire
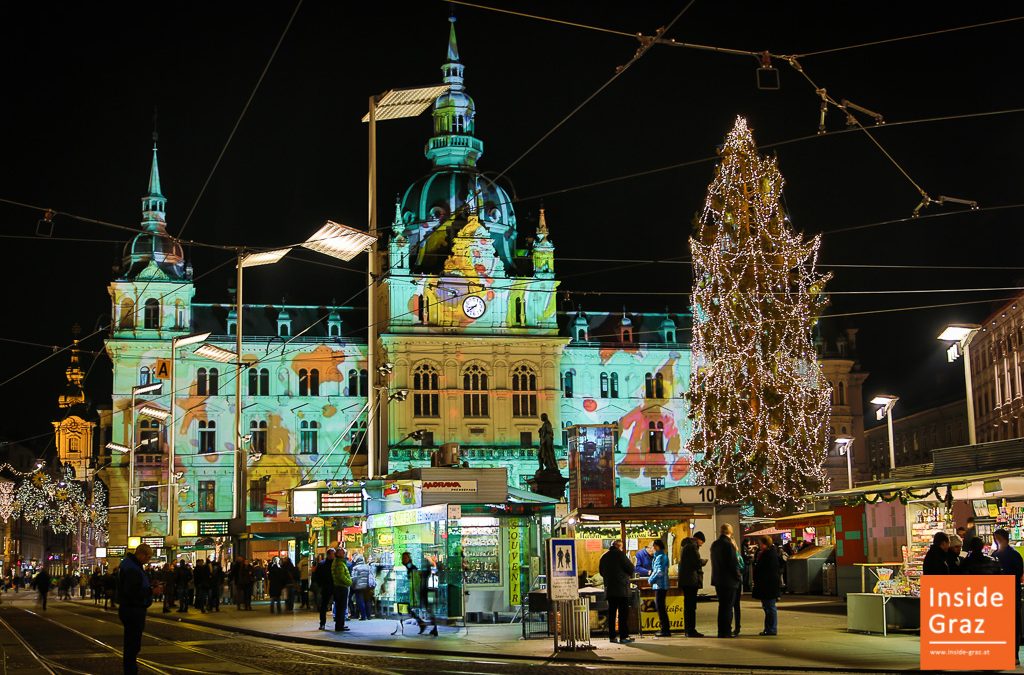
(241,115)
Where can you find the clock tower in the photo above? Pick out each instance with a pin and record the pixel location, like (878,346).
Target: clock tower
(471,323)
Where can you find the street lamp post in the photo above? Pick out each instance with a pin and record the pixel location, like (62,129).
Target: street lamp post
(130,451)
(886,403)
(176,342)
(845,446)
(961,335)
(392,104)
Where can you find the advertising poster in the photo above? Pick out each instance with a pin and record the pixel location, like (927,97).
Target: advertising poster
(591,466)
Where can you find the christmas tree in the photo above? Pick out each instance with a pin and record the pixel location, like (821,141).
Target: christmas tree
(758,401)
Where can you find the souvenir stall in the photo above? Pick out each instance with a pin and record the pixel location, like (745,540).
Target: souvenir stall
(812,536)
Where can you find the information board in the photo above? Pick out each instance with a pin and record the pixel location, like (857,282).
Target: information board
(213,528)
(117,551)
(341,503)
(564,583)
(153,542)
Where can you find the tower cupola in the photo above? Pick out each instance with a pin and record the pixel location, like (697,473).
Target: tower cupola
(453,142)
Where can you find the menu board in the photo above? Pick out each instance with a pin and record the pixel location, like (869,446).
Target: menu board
(213,528)
(341,503)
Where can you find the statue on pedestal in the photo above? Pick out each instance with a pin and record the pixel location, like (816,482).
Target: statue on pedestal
(546,452)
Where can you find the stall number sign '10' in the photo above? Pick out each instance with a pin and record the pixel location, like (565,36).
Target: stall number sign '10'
(967,622)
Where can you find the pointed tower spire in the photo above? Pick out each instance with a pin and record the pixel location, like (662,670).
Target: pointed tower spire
(542,225)
(453,45)
(154,174)
(73,393)
(154,204)
(453,143)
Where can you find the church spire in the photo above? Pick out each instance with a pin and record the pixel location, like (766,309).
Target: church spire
(453,143)
(73,393)
(154,204)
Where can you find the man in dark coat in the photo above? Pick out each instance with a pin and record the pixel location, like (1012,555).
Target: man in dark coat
(1011,563)
(691,579)
(936,560)
(182,578)
(768,584)
(979,562)
(134,597)
(616,569)
(201,579)
(324,580)
(42,581)
(725,577)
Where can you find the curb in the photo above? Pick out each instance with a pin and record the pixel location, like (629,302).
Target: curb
(566,657)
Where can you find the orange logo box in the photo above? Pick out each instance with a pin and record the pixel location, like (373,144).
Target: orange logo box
(967,622)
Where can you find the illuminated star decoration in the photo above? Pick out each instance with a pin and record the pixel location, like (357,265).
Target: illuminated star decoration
(759,401)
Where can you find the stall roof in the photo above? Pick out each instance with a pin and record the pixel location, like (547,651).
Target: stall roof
(918,483)
(812,519)
(613,514)
(525,496)
(766,532)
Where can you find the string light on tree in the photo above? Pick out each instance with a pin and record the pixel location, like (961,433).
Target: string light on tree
(8,501)
(759,402)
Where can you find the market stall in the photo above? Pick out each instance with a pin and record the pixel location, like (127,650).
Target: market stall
(815,533)
(595,528)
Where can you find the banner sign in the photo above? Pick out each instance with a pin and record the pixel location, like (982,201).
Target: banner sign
(341,503)
(591,466)
(565,583)
(967,622)
(269,507)
(515,590)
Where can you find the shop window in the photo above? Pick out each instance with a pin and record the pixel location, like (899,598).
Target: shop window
(308,432)
(474,397)
(207,500)
(425,395)
(524,391)
(207,437)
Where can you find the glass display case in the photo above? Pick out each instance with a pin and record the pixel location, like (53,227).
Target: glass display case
(481,550)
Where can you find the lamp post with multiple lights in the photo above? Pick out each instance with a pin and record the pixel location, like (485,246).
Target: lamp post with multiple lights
(844,444)
(886,403)
(961,335)
(176,343)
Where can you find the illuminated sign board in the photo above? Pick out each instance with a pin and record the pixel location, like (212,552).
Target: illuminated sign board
(449,486)
(304,502)
(213,528)
(153,542)
(117,551)
(101,552)
(341,503)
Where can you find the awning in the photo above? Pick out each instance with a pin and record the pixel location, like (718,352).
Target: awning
(525,496)
(801,520)
(917,484)
(766,532)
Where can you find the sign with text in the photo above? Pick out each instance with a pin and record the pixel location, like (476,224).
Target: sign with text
(591,466)
(213,528)
(564,583)
(153,542)
(967,622)
(696,494)
(341,503)
(449,486)
(117,551)
(515,590)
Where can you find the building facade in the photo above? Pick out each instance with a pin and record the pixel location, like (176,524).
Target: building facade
(997,361)
(837,356)
(916,435)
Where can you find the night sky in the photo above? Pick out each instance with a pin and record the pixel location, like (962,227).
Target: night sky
(81,81)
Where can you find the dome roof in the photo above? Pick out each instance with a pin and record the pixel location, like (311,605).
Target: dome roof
(158,247)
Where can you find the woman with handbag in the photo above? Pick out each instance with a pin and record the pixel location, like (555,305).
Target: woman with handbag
(362,578)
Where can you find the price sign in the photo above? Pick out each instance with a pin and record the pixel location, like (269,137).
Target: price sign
(341,503)
(213,528)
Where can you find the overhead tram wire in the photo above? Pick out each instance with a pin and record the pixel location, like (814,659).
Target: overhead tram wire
(241,115)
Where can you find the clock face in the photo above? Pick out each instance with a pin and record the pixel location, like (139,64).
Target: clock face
(474,307)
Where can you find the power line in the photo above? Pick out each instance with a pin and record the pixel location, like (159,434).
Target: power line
(543,18)
(241,115)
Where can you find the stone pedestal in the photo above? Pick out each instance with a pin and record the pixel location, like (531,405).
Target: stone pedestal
(549,483)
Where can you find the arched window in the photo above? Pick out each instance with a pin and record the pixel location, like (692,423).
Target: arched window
(126,320)
(201,382)
(214,382)
(614,386)
(567,384)
(151,314)
(842,393)
(283,330)
(604,385)
(656,437)
(314,382)
(149,435)
(524,391)
(627,335)
(519,311)
(474,397)
(145,376)
(358,382)
(179,314)
(659,386)
(423,308)
(207,437)
(303,382)
(425,391)
(357,437)
(581,335)
(258,431)
(648,385)
(831,393)
(335,330)
(308,432)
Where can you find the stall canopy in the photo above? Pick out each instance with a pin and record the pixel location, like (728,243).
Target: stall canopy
(802,520)
(527,497)
(766,532)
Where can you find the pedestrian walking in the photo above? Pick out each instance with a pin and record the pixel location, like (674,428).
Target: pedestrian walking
(659,582)
(277,580)
(304,570)
(419,581)
(291,587)
(936,560)
(324,582)
(134,598)
(725,577)
(691,580)
(42,582)
(768,584)
(201,578)
(342,580)
(216,584)
(616,569)
(1011,562)
(361,577)
(182,579)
